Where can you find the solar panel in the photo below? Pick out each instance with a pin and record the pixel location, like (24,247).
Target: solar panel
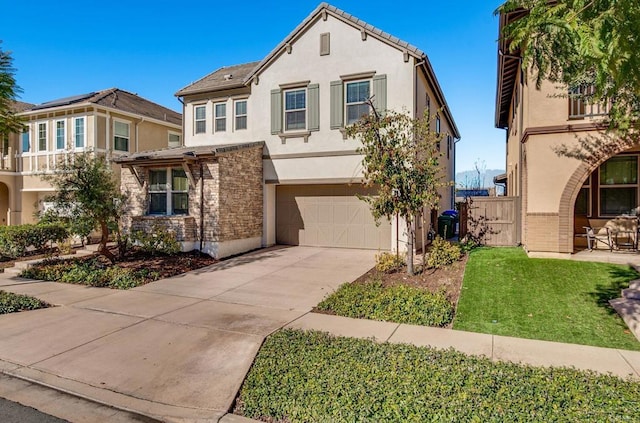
(63,101)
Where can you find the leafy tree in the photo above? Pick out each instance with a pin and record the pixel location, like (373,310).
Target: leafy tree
(9,90)
(85,187)
(401,161)
(577,43)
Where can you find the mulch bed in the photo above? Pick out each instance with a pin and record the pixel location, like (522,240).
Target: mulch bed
(167,266)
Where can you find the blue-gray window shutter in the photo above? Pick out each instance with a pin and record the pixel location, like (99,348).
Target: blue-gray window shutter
(313,91)
(276,111)
(337,105)
(380,93)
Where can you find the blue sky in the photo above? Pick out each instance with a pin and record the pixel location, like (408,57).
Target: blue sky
(154,48)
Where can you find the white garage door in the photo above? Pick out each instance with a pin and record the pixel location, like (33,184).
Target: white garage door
(328,216)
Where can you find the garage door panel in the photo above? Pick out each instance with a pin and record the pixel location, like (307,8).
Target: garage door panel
(328,215)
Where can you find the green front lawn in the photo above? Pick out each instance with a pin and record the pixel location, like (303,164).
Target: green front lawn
(506,293)
(314,377)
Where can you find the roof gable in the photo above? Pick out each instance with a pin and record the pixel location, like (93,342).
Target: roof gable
(226,77)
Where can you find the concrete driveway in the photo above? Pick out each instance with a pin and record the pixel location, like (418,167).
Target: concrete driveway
(176,349)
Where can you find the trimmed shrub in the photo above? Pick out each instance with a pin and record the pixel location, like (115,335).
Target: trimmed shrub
(11,303)
(399,303)
(443,253)
(159,240)
(14,240)
(389,262)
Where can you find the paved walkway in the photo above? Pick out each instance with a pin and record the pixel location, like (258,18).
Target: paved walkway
(178,349)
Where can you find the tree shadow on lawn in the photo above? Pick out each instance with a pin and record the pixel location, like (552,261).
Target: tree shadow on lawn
(620,278)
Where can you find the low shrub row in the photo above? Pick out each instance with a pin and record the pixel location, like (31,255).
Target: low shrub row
(11,303)
(314,377)
(89,272)
(15,240)
(398,303)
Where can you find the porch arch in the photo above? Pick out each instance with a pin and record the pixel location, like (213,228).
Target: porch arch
(569,196)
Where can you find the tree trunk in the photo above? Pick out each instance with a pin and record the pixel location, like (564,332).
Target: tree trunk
(102,249)
(410,236)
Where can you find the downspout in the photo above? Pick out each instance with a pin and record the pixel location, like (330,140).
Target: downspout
(137,141)
(201,205)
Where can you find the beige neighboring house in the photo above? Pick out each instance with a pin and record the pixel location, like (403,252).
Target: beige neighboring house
(559,195)
(111,122)
(266,160)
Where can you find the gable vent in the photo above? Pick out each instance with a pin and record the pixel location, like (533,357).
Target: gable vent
(325,44)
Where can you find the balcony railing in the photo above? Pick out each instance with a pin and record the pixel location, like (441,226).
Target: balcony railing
(581,105)
(7,160)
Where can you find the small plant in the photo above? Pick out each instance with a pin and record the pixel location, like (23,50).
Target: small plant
(14,240)
(469,243)
(443,253)
(158,240)
(389,262)
(11,303)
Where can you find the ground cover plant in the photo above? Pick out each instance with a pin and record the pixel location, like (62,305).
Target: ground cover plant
(314,377)
(507,293)
(11,303)
(135,269)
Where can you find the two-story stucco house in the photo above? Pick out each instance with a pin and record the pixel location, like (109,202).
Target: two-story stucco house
(110,122)
(266,159)
(559,194)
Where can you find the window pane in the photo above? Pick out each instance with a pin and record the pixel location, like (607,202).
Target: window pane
(357,91)
(158,180)
(121,144)
(42,137)
(121,129)
(295,120)
(241,122)
(619,170)
(295,99)
(221,110)
(241,107)
(174,138)
(221,124)
(180,202)
(201,127)
(582,202)
(200,113)
(356,111)
(158,203)
(616,201)
(25,141)
(179,181)
(60,135)
(79,132)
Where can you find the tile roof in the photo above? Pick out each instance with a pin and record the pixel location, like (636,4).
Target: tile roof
(182,152)
(115,98)
(20,106)
(220,79)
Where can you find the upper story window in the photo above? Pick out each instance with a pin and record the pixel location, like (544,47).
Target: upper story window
(174,139)
(42,137)
(60,134)
(438,130)
(26,145)
(581,103)
(220,118)
(200,119)
(295,110)
(357,93)
(78,132)
(241,114)
(120,136)
(168,191)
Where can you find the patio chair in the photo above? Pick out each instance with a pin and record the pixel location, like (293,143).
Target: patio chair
(603,235)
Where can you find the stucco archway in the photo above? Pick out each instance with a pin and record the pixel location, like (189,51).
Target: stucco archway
(568,200)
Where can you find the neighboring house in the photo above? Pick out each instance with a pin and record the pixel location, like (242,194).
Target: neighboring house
(266,158)
(111,122)
(558,194)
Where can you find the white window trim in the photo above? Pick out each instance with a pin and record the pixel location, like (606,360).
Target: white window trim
(216,117)
(46,136)
(113,135)
(64,134)
(196,120)
(345,104)
(168,191)
(235,116)
(84,133)
(306,110)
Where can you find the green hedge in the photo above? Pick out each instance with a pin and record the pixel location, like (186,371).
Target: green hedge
(313,377)
(11,303)
(15,240)
(400,304)
(88,272)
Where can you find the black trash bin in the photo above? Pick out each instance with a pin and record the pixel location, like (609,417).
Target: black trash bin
(446,226)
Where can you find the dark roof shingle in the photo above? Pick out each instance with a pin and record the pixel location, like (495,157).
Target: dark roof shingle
(220,79)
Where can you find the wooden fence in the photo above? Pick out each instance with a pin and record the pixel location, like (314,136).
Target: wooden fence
(494,220)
